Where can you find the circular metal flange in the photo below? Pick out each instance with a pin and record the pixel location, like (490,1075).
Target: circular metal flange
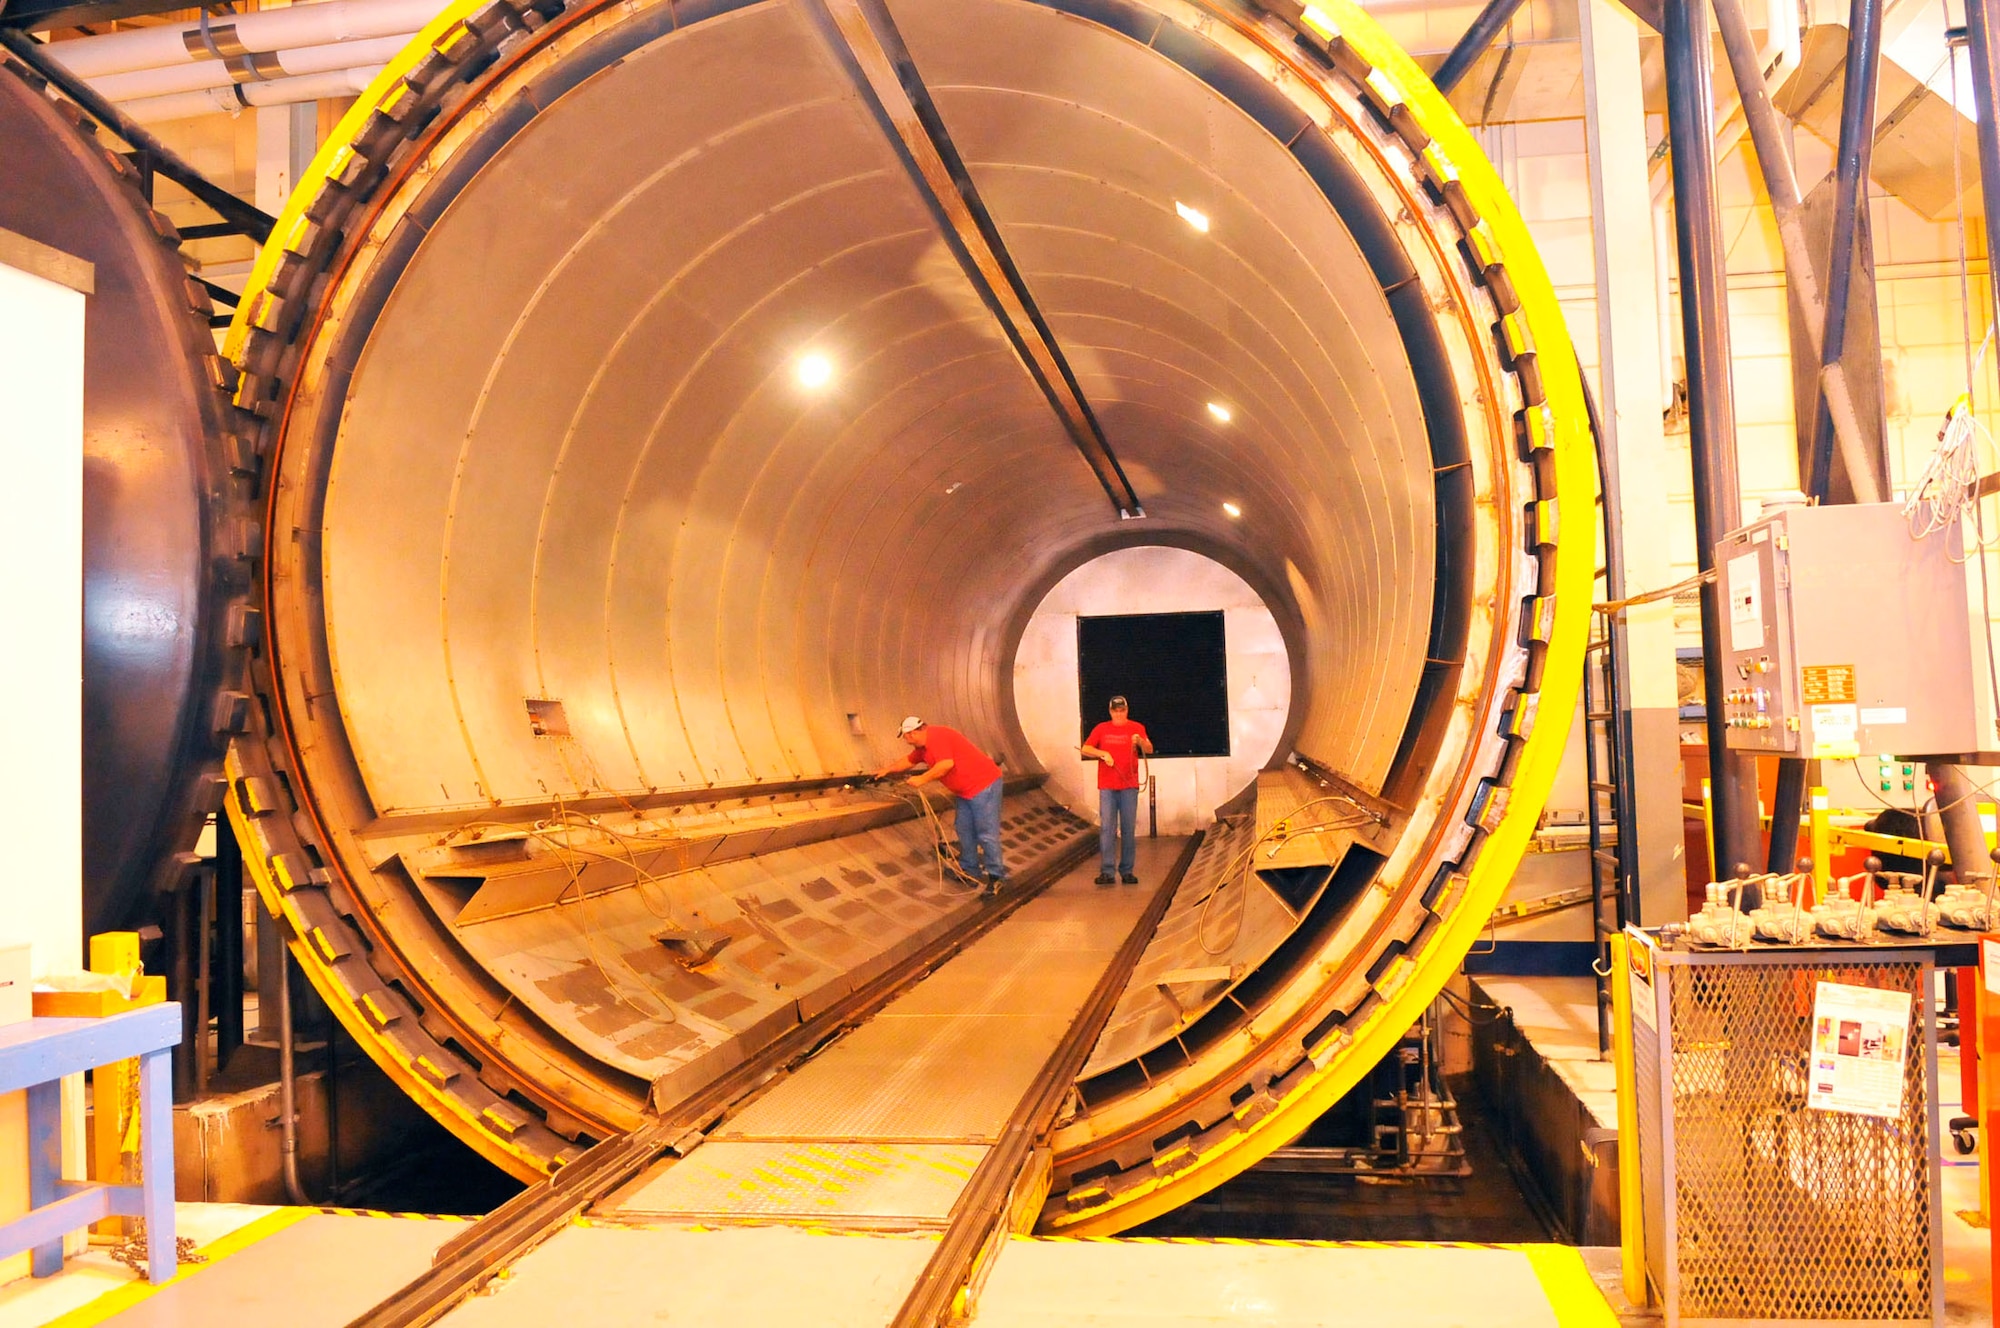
(1456,266)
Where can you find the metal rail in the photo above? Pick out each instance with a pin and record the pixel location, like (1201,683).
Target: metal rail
(979,1218)
(864,33)
(465,1262)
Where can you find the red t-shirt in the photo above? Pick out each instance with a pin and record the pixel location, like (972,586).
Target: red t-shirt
(971,769)
(1121,740)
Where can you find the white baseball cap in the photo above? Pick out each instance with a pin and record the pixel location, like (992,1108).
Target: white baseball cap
(910,725)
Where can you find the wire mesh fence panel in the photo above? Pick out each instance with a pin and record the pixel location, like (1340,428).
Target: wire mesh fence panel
(1780,1211)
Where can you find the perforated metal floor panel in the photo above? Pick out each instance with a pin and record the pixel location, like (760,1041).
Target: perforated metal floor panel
(901,1185)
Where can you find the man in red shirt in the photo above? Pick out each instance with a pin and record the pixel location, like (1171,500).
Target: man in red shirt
(972,778)
(1115,746)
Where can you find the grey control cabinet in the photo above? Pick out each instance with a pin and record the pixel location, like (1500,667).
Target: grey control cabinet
(1845,636)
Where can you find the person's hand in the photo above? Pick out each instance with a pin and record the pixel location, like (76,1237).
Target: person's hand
(1105,757)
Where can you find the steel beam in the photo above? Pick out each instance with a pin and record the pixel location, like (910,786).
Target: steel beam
(864,34)
(1774,160)
(1850,225)
(1490,23)
(1986,99)
(1711,397)
(1628,353)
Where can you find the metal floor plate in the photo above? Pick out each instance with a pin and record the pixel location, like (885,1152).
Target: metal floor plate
(881,1185)
(610,1277)
(921,1078)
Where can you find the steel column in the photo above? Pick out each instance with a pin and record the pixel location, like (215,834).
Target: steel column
(1986,98)
(1628,353)
(1711,397)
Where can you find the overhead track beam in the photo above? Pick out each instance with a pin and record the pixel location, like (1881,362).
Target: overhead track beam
(865,36)
(1489,24)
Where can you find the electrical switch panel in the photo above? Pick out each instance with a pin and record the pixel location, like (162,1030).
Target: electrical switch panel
(1842,635)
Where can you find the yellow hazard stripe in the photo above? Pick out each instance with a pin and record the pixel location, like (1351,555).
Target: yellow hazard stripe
(122,1298)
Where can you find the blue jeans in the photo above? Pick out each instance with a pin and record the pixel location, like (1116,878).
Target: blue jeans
(1115,808)
(979,832)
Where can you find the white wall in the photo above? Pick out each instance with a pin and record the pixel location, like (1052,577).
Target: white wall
(1155,580)
(41,601)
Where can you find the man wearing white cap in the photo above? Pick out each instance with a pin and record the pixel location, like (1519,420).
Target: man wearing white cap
(950,758)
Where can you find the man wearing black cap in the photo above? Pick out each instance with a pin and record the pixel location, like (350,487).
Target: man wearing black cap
(1115,746)
(950,758)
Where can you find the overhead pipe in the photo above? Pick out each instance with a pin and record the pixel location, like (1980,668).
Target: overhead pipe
(252,221)
(1486,25)
(239,96)
(242,35)
(1711,396)
(269,66)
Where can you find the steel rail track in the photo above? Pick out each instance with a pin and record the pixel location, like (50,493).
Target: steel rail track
(510,1231)
(980,1219)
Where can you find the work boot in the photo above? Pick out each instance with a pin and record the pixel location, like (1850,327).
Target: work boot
(993,884)
(1129,879)
(1106,878)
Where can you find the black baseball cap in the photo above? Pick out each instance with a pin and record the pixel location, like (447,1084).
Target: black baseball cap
(1118,703)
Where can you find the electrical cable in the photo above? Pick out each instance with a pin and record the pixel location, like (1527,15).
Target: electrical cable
(1238,871)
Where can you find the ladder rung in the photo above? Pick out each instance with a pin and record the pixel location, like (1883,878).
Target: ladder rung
(1605,856)
(1600,714)
(1597,645)
(1599,786)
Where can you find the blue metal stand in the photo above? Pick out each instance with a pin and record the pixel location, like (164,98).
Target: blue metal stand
(35,1056)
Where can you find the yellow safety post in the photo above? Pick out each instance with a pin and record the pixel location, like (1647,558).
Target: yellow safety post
(1989,821)
(115,1086)
(1631,1205)
(1819,841)
(1715,871)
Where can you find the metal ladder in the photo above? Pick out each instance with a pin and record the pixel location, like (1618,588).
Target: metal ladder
(1607,740)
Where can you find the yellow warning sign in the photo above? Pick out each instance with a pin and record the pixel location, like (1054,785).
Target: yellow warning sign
(1827,684)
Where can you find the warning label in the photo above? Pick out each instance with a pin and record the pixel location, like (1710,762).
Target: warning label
(1827,684)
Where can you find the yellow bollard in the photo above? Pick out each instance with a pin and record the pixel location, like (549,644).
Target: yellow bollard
(1631,1203)
(1820,843)
(115,1087)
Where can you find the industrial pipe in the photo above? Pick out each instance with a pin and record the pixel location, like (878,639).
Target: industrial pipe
(288,1112)
(168,79)
(36,56)
(237,96)
(237,35)
(1711,398)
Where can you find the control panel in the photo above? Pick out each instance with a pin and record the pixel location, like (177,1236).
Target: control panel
(1844,634)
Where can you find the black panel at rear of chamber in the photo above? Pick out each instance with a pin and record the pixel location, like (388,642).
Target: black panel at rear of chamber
(1171,667)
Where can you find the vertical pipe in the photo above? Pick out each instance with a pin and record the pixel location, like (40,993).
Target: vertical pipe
(183,909)
(1711,398)
(1850,227)
(1986,98)
(226,982)
(1787,805)
(288,1113)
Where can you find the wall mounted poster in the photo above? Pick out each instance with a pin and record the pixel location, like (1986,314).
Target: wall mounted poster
(1860,1039)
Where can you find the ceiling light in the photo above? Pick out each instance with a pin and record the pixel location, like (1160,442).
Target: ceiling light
(1220,411)
(1193,217)
(1232,511)
(815,370)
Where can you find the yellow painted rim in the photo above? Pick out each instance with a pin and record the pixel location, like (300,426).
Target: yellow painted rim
(1562,676)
